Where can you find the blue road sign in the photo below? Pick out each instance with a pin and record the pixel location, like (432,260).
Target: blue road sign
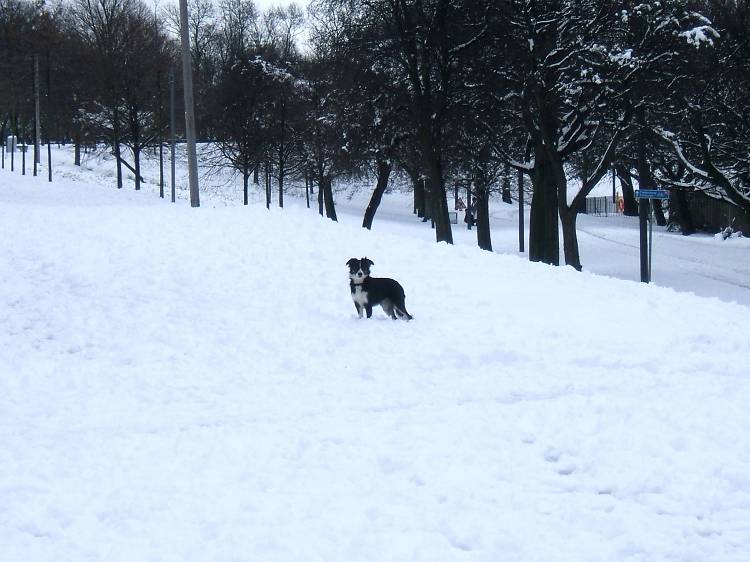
(651,194)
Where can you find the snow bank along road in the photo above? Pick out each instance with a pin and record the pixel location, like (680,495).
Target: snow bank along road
(194,385)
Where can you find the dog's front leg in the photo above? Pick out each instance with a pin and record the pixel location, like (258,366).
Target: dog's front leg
(359,309)
(368,308)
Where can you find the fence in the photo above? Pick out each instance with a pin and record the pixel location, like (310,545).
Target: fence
(710,214)
(600,206)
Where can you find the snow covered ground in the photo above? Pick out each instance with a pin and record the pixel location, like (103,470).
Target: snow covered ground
(184,384)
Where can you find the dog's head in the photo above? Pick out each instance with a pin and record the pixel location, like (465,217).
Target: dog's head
(359,269)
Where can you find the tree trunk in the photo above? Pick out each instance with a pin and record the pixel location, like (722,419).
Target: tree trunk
(116,143)
(679,212)
(321,205)
(281,184)
(569,215)
(544,236)
(482,209)
(419,198)
(507,198)
(77,149)
(384,172)
(327,188)
(435,185)
(439,204)
(426,200)
(160,129)
(137,165)
(630,204)
(245,181)
(568,218)
(661,220)
(267,175)
(37,113)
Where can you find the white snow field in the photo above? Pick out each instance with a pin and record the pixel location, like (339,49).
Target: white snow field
(184,384)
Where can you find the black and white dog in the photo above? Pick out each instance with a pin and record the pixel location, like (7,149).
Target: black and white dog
(372,291)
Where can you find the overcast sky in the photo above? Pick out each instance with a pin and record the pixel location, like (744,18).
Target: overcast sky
(263,5)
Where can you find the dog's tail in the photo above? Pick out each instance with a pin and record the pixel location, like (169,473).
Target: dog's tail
(400,309)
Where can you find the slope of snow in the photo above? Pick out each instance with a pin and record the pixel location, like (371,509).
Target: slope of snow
(185,384)
(609,246)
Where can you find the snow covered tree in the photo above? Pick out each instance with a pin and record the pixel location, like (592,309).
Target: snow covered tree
(577,73)
(560,62)
(373,115)
(712,132)
(422,45)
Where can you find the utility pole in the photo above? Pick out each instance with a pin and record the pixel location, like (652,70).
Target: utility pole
(187,79)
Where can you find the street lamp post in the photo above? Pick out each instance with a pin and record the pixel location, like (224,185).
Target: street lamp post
(187,79)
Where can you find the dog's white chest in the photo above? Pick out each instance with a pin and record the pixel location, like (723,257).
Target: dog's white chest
(359,296)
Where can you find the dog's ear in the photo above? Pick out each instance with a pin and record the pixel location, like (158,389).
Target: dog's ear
(352,261)
(368,261)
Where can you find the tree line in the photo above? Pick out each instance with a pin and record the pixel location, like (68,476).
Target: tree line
(488,95)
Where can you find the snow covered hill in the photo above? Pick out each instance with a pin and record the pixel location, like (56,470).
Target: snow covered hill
(184,384)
